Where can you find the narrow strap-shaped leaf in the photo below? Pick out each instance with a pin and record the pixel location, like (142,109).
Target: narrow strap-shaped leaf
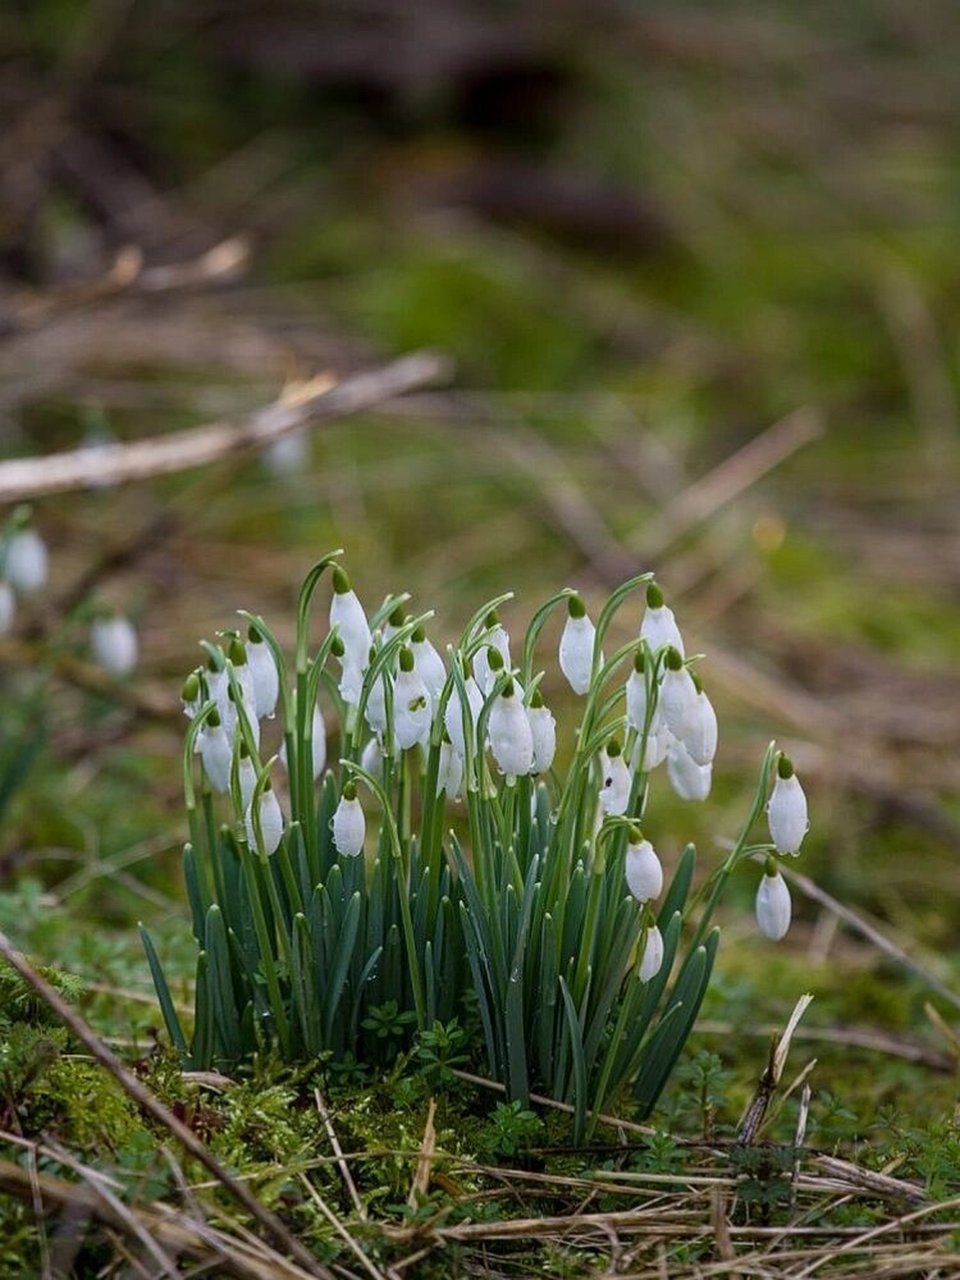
(341,965)
(226,1020)
(197,895)
(676,896)
(575,1040)
(481,986)
(201,1055)
(167,1008)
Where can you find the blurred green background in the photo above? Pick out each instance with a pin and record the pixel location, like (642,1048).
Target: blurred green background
(696,268)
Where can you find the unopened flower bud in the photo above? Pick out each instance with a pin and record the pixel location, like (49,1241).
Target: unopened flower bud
(430,666)
(271,822)
(576,646)
(347,615)
(349,824)
(652,955)
(787,809)
(114,644)
(266,678)
(511,738)
(659,627)
(543,727)
(216,753)
(773,904)
(26,564)
(701,736)
(677,700)
(644,874)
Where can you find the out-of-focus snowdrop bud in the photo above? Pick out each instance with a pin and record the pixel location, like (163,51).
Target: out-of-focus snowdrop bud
(659,626)
(544,729)
(576,646)
(394,622)
(652,955)
(288,456)
(318,742)
(216,752)
(615,789)
(347,615)
(263,670)
(191,695)
(642,868)
(449,770)
(371,761)
(691,781)
(773,903)
(636,693)
(246,776)
(677,700)
(511,738)
(375,712)
(349,824)
(701,737)
(25,566)
(453,715)
(411,704)
(429,664)
(8,607)
(114,644)
(787,809)
(271,821)
(498,640)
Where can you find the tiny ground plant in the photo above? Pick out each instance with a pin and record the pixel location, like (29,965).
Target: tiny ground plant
(485,881)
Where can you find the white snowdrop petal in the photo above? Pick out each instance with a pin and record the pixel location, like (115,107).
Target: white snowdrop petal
(453,715)
(615,792)
(271,823)
(701,736)
(351,682)
(485,676)
(318,742)
(787,815)
(690,781)
(450,770)
(652,955)
(375,712)
(576,652)
(347,615)
(26,563)
(773,906)
(636,699)
(659,628)
(677,702)
(511,738)
(643,872)
(247,780)
(114,644)
(543,727)
(265,678)
(349,827)
(429,666)
(216,756)
(371,761)
(411,710)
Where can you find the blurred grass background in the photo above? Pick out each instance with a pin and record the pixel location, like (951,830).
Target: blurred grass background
(696,267)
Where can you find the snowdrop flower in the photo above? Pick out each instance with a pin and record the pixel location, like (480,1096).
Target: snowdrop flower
(773,903)
(659,627)
(216,752)
(644,874)
(114,644)
(658,743)
(347,615)
(453,715)
(191,694)
(349,824)
(318,742)
(544,730)
(231,718)
(701,737)
(787,809)
(243,678)
(371,761)
(8,607)
(511,738)
(395,621)
(636,693)
(576,646)
(652,955)
(375,712)
(499,642)
(351,674)
(677,700)
(450,770)
(25,566)
(615,792)
(271,821)
(263,670)
(246,776)
(429,664)
(411,704)
(691,781)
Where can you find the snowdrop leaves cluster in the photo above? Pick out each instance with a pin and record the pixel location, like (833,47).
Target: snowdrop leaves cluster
(443,856)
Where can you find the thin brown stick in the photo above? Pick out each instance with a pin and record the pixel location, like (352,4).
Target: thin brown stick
(613,1121)
(152,1105)
(338,1154)
(320,399)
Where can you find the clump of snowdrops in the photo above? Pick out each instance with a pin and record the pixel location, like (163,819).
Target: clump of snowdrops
(443,868)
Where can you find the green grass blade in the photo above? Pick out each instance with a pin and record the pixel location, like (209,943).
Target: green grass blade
(167,1008)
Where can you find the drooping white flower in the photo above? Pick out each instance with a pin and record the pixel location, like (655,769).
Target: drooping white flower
(349,824)
(511,738)
(677,699)
(615,791)
(773,904)
(701,736)
(652,955)
(371,761)
(576,646)
(411,704)
(216,753)
(114,644)
(271,822)
(454,713)
(263,672)
(543,726)
(429,664)
(191,694)
(691,781)
(642,869)
(659,627)
(375,711)
(636,693)
(449,770)
(486,669)
(318,742)
(351,683)
(347,615)
(26,564)
(8,607)
(787,809)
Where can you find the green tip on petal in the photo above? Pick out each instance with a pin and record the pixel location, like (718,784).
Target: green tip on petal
(237,653)
(639,662)
(211,664)
(397,616)
(536,700)
(494,658)
(492,620)
(508,691)
(419,635)
(613,748)
(673,659)
(337,647)
(575,606)
(697,682)
(771,867)
(406,659)
(784,766)
(254,635)
(635,835)
(349,790)
(244,752)
(654,596)
(191,688)
(341,583)
(213,719)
